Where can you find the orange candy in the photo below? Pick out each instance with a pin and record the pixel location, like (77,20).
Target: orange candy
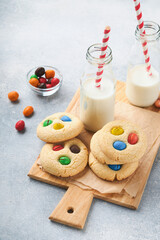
(50,74)
(28,111)
(13,96)
(34,82)
(157,103)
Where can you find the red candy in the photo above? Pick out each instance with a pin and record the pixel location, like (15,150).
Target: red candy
(132,138)
(20,125)
(42,80)
(48,85)
(54,81)
(57,147)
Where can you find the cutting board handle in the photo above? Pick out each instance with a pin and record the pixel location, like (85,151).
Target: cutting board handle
(73,208)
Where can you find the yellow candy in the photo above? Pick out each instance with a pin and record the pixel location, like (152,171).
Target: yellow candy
(58,126)
(117,130)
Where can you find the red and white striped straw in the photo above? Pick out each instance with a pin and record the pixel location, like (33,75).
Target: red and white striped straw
(142,32)
(102,55)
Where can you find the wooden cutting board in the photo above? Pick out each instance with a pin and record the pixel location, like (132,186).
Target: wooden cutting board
(75,204)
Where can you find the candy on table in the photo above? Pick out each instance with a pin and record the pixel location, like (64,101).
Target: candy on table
(40,71)
(20,125)
(57,147)
(47,123)
(58,126)
(34,76)
(132,138)
(64,160)
(54,82)
(13,96)
(28,111)
(157,103)
(75,149)
(49,74)
(34,82)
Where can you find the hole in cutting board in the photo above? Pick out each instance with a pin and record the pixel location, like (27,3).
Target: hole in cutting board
(70,210)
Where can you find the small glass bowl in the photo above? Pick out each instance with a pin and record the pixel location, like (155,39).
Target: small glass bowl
(45,91)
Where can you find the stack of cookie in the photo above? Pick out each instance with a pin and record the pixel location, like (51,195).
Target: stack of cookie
(63,155)
(116,150)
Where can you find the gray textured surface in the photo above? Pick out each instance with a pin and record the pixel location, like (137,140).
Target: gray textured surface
(58,33)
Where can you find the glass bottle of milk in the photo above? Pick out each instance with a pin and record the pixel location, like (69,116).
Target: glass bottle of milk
(141,89)
(97,104)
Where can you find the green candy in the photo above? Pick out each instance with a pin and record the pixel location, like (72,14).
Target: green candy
(64,160)
(47,122)
(34,76)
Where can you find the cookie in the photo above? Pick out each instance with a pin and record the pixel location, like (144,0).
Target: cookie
(122,141)
(111,172)
(59,127)
(96,149)
(64,159)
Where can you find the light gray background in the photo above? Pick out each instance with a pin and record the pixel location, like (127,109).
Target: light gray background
(58,32)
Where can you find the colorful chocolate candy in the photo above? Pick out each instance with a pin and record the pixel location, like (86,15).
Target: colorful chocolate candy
(40,71)
(119,145)
(66,119)
(58,126)
(49,73)
(75,149)
(13,96)
(132,138)
(34,82)
(117,131)
(47,123)
(48,81)
(64,160)
(34,76)
(20,125)
(28,111)
(54,81)
(115,167)
(57,147)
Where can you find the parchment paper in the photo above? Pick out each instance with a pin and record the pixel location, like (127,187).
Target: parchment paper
(150,122)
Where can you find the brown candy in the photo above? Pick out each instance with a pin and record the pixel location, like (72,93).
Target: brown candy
(42,85)
(40,71)
(75,149)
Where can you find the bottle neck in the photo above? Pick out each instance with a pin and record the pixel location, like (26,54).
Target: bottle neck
(93,53)
(152,32)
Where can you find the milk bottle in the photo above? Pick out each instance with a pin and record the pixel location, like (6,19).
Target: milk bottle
(141,89)
(97,104)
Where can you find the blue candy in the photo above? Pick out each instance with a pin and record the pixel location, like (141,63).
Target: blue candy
(119,145)
(66,119)
(115,167)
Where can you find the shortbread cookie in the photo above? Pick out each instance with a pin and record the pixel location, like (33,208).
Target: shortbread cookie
(111,172)
(59,127)
(64,159)
(122,141)
(96,149)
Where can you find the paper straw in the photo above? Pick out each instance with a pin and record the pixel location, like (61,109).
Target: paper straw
(102,55)
(142,32)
